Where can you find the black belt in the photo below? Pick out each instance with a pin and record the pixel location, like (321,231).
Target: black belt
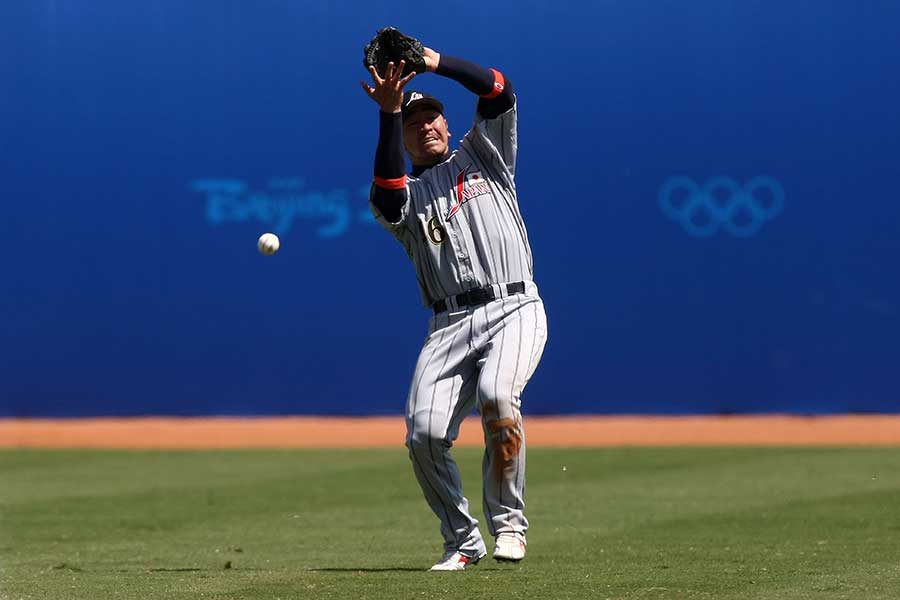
(478,296)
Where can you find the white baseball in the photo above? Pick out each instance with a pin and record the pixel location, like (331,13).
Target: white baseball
(268,244)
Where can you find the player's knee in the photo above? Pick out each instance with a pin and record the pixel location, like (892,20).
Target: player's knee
(426,430)
(426,440)
(494,403)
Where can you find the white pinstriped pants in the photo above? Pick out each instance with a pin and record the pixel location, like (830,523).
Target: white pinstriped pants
(478,356)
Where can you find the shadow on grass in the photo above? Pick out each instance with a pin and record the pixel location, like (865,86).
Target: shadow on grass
(384,569)
(228,567)
(363,570)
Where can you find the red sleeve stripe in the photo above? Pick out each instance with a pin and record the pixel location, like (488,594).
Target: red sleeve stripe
(499,84)
(397,183)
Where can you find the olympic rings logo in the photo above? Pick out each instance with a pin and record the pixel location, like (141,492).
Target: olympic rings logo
(721,203)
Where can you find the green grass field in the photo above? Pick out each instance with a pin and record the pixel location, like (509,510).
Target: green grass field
(624,523)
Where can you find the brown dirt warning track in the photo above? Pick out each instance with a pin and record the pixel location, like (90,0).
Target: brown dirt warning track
(370,432)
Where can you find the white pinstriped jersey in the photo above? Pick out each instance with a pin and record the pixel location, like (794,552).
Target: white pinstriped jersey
(461,224)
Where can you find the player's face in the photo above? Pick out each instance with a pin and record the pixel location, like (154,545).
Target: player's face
(426,136)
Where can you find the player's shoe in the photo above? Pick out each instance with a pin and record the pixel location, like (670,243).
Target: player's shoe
(510,547)
(454,561)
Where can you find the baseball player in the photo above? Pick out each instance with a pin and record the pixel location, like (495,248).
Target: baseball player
(458,219)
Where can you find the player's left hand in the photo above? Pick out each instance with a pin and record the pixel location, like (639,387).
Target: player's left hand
(388,92)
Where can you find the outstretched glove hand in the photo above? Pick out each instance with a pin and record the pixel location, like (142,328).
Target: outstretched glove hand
(390,45)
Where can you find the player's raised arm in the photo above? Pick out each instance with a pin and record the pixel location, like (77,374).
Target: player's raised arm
(389,186)
(493,88)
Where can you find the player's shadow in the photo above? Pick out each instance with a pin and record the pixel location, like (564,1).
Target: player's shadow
(363,570)
(382,569)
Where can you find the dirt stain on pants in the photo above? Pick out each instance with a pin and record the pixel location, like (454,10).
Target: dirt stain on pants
(506,437)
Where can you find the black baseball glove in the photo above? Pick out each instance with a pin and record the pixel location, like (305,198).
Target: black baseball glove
(390,45)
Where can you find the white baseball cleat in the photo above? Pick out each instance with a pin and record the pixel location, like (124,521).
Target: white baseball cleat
(454,561)
(510,547)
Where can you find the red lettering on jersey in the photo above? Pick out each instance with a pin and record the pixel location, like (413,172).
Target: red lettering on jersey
(467,188)
(460,179)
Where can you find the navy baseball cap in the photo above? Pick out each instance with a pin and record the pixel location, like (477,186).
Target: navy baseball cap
(413,101)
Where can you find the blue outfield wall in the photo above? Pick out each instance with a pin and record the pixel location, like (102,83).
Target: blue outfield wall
(710,189)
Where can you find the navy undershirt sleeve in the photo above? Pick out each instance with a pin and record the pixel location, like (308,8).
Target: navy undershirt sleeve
(478,80)
(389,164)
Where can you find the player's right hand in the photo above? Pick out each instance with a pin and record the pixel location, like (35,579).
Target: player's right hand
(388,92)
